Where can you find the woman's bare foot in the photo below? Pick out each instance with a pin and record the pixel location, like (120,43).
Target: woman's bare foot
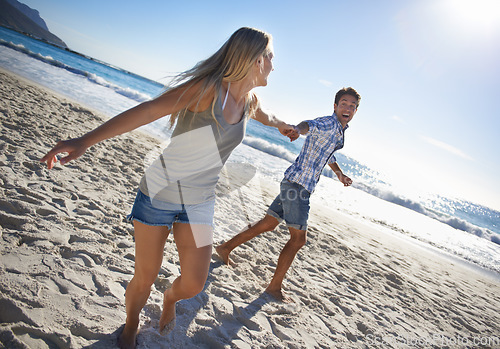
(223,254)
(279,295)
(167,320)
(127,339)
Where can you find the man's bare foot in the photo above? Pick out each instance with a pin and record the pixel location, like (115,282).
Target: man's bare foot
(279,295)
(223,254)
(127,339)
(167,320)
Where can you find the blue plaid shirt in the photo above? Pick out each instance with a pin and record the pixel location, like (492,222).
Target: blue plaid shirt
(325,136)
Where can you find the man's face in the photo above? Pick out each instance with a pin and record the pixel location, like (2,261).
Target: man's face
(345,110)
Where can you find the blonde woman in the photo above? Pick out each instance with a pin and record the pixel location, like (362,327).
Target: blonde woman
(210,105)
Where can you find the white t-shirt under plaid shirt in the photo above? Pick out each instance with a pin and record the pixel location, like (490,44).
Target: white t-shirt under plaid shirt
(325,136)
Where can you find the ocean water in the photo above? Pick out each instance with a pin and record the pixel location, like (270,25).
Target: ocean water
(454,226)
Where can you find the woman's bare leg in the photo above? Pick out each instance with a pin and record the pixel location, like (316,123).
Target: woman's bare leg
(194,263)
(149,244)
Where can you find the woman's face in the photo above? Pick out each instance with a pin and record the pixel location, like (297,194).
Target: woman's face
(265,67)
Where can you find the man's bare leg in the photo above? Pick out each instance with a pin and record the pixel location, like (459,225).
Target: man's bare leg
(297,240)
(267,223)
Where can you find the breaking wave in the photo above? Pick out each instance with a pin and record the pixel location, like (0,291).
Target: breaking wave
(127,92)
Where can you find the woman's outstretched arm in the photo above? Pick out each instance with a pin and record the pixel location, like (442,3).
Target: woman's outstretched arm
(270,119)
(142,114)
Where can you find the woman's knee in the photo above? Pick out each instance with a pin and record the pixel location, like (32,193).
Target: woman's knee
(192,286)
(143,279)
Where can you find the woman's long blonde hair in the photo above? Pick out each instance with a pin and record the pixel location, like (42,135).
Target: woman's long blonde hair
(232,62)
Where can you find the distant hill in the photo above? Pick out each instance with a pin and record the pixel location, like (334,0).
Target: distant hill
(23,18)
(32,14)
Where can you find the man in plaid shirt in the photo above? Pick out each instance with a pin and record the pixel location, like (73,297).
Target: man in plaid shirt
(325,135)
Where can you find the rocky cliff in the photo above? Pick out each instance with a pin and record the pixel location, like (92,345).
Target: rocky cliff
(22,18)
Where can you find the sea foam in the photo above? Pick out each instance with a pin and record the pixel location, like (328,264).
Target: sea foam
(127,92)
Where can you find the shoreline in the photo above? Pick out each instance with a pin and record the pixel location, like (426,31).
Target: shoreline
(67,256)
(67,49)
(440,253)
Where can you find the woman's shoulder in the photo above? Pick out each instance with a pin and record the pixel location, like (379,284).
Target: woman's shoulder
(199,97)
(252,105)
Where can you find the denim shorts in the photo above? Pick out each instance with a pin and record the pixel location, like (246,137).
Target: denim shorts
(291,205)
(160,213)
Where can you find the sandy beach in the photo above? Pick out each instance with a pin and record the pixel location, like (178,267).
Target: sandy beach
(67,255)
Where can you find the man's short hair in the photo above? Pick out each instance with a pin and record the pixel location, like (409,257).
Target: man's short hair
(347,91)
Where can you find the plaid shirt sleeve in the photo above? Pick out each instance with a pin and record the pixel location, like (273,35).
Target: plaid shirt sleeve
(332,160)
(317,125)
(324,137)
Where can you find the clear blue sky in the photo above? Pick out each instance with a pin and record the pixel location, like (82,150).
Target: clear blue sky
(428,71)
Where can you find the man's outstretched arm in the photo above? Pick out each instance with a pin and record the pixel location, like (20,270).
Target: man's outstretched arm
(340,175)
(302,128)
